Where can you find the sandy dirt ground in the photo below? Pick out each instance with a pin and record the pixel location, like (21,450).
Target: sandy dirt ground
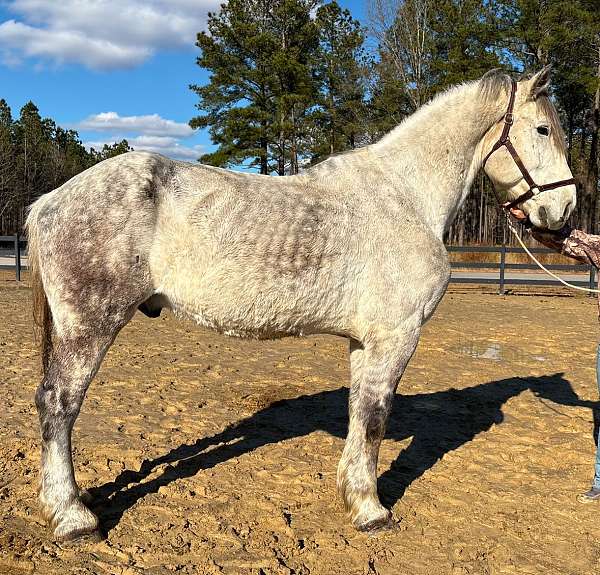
(210,455)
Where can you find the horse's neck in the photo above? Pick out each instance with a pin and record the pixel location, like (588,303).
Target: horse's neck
(432,158)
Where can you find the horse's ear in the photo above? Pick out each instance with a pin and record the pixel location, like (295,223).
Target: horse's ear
(540,83)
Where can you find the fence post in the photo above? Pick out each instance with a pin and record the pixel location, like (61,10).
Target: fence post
(592,279)
(18,256)
(502,268)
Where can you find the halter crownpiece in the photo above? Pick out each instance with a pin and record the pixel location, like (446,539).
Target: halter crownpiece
(504,141)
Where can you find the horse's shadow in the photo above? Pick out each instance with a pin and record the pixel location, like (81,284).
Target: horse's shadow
(438,423)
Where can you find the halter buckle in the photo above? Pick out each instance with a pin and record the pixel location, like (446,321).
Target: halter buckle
(508,118)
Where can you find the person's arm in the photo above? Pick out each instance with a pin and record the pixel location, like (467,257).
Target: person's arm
(575,244)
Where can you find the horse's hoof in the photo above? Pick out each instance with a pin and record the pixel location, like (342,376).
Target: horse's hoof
(80,537)
(379,525)
(76,522)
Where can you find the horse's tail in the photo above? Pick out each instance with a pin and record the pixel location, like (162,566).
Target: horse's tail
(42,314)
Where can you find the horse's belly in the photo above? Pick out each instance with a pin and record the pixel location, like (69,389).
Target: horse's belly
(256,305)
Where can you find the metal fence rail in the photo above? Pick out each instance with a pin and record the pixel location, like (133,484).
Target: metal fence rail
(12,248)
(588,273)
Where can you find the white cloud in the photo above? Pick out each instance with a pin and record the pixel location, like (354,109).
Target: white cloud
(151,133)
(100,34)
(151,125)
(57,45)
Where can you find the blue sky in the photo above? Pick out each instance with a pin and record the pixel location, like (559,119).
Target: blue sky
(110,68)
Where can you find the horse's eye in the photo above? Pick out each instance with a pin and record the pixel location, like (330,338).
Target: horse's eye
(543,130)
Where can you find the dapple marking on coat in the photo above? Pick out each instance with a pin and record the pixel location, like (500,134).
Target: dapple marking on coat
(352,246)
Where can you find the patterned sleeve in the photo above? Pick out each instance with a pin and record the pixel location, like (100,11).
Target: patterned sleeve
(573,243)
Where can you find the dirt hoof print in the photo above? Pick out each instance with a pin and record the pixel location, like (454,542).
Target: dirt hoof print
(378,525)
(80,537)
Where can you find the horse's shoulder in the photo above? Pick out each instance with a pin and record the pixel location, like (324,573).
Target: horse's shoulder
(411,245)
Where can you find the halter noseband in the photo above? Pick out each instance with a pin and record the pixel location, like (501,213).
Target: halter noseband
(504,141)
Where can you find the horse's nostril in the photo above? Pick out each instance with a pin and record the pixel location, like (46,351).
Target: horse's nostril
(542,215)
(567,211)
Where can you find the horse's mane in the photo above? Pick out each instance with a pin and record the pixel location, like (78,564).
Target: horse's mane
(321,163)
(493,86)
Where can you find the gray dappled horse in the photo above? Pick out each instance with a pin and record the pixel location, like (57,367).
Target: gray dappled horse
(352,247)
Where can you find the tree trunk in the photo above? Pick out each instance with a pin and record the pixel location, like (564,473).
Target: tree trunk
(281,157)
(294,147)
(264,150)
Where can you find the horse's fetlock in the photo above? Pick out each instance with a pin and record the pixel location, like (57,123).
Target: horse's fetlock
(357,498)
(48,512)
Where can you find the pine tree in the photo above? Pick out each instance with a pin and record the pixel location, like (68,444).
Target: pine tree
(110,151)
(389,102)
(258,54)
(34,168)
(462,32)
(296,44)
(339,68)
(71,154)
(8,175)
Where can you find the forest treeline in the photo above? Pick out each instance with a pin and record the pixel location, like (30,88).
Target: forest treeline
(37,156)
(293,81)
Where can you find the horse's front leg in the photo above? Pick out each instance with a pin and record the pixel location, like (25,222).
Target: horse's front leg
(376,367)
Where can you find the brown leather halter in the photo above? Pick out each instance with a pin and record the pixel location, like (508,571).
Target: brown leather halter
(504,141)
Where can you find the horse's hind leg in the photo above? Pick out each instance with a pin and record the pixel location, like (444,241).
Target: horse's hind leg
(376,368)
(72,364)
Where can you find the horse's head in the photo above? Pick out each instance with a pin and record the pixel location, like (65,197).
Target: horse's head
(536,139)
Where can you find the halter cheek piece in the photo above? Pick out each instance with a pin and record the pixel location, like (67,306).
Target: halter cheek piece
(504,141)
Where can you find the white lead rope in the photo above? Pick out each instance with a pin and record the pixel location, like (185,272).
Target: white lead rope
(562,281)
